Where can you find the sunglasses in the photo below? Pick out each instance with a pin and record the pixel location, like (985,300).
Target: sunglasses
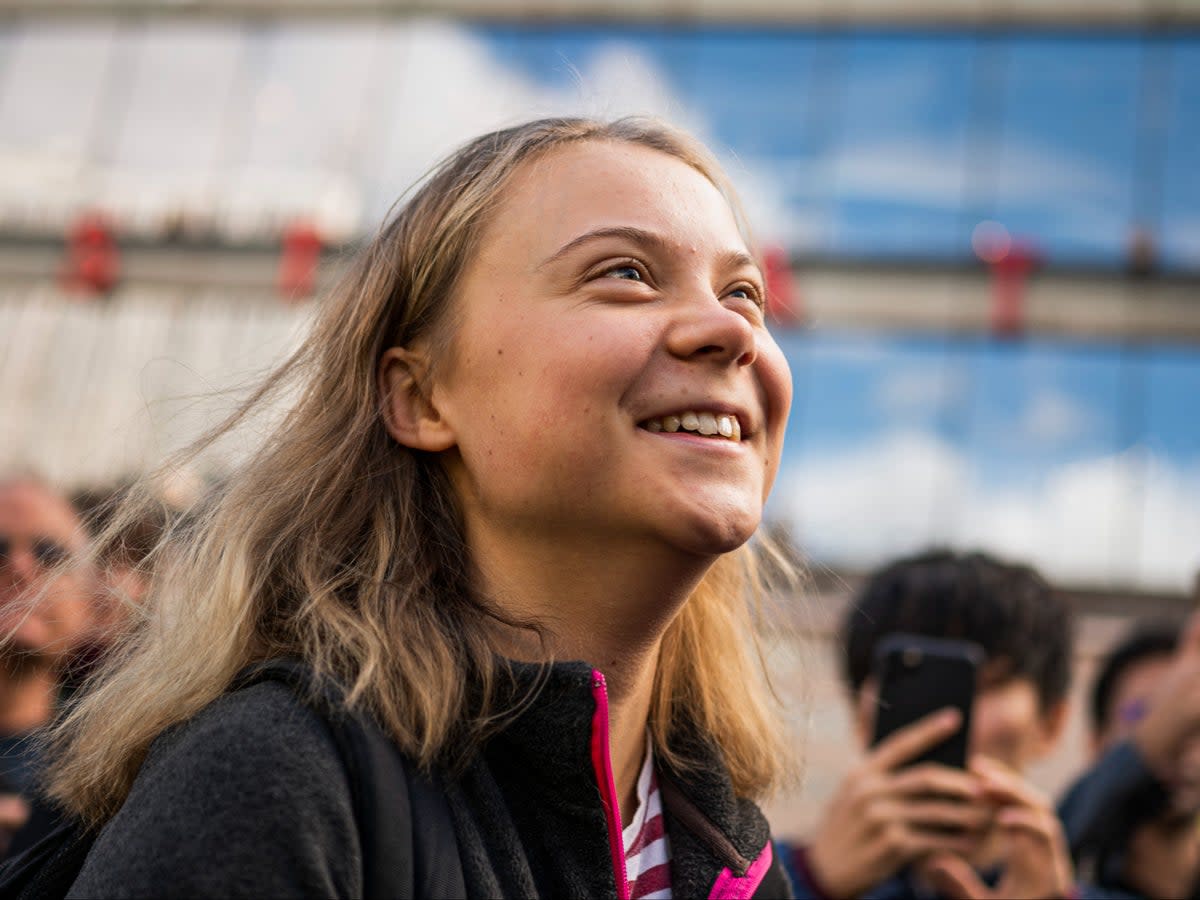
(46,553)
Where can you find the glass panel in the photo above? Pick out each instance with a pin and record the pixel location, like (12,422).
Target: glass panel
(51,119)
(1048,424)
(1169,510)
(311,102)
(900,164)
(764,112)
(496,75)
(1067,149)
(1083,459)
(175,124)
(871,462)
(1181,182)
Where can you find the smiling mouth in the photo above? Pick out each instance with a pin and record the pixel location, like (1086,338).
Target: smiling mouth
(715,425)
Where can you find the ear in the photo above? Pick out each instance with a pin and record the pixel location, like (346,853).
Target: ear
(409,414)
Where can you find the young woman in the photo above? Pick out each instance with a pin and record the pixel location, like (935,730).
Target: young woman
(507,509)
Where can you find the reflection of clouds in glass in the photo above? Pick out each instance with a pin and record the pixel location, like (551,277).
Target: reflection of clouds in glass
(474,92)
(1182,241)
(1130,519)
(930,173)
(1053,418)
(920,390)
(53,84)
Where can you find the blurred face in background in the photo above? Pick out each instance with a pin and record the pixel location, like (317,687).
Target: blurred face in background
(1162,858)
(1130,700)
(44,611)
(1009,722)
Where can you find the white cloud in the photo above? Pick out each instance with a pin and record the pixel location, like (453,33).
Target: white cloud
(857,505)
(919,391)
(1131,519)
(1182,239)
(1053,418)
(930,172)
(473,93)
(910,169)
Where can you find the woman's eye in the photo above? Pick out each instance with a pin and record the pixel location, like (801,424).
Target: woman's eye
(746,292)
(625,273)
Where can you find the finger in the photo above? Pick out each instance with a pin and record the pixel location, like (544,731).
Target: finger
(1031,823)
(954,877)
(920,845)
(964,817)
(1006,786)
(912,740)
(942,781)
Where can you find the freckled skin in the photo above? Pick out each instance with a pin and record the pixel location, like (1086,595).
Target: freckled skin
(560,454)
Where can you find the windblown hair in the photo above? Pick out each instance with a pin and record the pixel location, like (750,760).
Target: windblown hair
(337,545)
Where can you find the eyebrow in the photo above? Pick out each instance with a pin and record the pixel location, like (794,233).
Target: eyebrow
(729,259)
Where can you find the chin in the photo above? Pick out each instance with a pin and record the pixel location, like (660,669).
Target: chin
(712,538)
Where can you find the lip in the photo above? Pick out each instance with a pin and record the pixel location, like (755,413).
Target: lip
(689,439)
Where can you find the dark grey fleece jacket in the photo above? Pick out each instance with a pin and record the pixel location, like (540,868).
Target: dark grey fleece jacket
(249,798)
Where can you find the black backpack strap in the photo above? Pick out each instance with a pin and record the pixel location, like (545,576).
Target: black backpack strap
(403,856)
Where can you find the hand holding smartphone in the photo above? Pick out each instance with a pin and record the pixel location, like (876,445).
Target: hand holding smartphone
(917,676)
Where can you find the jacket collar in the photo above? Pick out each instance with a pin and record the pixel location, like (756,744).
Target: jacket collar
(710,828)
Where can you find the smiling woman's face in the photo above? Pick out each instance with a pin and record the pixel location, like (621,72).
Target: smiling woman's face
(611,305)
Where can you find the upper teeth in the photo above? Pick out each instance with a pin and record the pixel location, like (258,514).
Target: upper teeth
(699,422)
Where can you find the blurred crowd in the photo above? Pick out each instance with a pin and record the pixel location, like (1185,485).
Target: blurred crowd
(900,827)
(1128,827)
(60,608)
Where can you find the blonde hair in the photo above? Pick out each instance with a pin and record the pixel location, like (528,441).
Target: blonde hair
(335,544)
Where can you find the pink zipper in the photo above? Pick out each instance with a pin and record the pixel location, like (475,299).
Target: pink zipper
(602,764)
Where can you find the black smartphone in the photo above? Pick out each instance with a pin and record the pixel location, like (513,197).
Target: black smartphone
(918,675)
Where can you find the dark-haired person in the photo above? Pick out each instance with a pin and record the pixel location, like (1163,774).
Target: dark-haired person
(39,529)
(896,832)
(1132,819)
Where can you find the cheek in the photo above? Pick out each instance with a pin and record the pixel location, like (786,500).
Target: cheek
(1006,728)
(775,380)
(69,604)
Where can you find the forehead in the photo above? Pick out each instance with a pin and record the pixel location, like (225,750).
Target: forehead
(30,510)
(570,190)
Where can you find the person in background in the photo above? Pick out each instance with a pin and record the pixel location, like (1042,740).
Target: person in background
(892,831)
(118,580)
(1132,818)
(123,563)
(47,612)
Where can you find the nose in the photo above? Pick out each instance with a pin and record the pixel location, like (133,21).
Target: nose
(706,329)
(18,567)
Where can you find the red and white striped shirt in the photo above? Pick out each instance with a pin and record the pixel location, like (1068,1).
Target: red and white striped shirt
(647,851)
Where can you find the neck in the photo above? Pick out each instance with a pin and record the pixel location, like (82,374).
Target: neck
(27,693)
(606,606)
